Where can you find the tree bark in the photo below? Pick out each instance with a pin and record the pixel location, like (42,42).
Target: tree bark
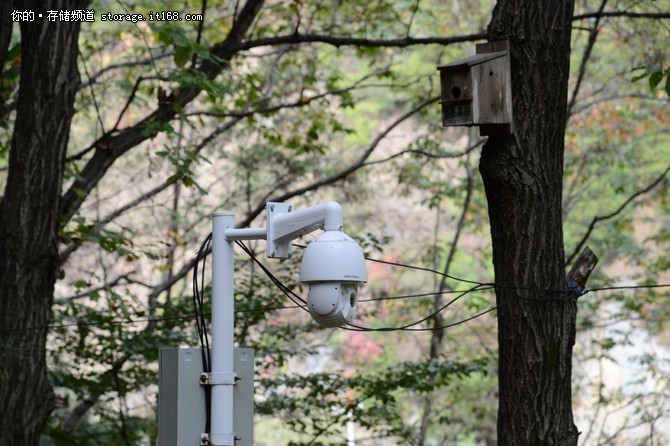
(522,176)
(29,218)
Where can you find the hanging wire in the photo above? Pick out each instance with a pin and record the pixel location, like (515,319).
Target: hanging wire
(280,308)
(199,301)
(201,321)
(299,302)
(409,327)
(293,297)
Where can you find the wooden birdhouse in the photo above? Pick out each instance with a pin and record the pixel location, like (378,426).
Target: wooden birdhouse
(477,90)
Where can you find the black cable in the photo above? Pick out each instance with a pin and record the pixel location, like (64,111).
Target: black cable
(473,282)
(276,308)
(201,322)
(609,288)
(293,297)
(198,300)
(197,316)
(478,286)
(408,327)
(421,268)
(418,268)
(484,287)
(292,307)
(203,318)
(442,327)
(97,324)
(453,324)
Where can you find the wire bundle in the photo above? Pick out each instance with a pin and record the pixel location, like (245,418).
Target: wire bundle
(293,297)
(298,301)
(201,320)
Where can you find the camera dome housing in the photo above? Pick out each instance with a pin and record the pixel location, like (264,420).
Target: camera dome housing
(332,266)
(332,304)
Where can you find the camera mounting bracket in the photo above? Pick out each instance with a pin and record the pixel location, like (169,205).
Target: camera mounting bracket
(283,226)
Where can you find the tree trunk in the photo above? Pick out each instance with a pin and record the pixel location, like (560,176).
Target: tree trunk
(29,218)
(522,176)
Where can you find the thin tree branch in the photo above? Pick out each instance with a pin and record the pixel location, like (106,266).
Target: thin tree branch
(642,97)
(115,66)
(72,247)
(87,403)
(437,335)
(201,25)
(110,148)
(338,41)
(316,185)
(81,154)
(626,14)
(144,37)
(91,400)
(322,431)
(571,190)
(301,102)
(593,36)
(601,397)
(124,278)
(95,100)
(427,154)
(459,227)
(122,408)
(174,227)
(347,171)
(597,219)
(415,8)
(131,97)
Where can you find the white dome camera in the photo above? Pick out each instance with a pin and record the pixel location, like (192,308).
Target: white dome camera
(333,266)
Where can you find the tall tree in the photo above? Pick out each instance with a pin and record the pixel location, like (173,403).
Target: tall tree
(29,214)
(522,175)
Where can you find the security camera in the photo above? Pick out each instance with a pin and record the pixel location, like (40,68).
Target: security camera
(332,267)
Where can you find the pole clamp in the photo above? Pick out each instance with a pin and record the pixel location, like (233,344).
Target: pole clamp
(218,439)
(219,379)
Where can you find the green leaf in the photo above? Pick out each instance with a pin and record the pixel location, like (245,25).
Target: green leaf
(81,283)
(188,181)
(655,78)
(667,83)
(14,52)
(638,77)
(181,55)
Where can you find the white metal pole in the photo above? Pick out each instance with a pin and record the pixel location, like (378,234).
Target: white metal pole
(223,320)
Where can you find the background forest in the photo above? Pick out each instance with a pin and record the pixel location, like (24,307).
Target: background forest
(339,100)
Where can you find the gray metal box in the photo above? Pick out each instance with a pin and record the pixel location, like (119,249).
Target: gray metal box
(181,398)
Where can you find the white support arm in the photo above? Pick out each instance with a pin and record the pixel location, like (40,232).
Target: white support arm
(233,234)
(283,226)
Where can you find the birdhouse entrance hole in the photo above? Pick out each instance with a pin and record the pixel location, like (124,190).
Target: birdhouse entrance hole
(476,90)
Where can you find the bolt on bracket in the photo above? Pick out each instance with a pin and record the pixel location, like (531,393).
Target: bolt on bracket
(219,379)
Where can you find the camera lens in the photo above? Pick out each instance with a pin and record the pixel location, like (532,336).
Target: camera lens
(352,299)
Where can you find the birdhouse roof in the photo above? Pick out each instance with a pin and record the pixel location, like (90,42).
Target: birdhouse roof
(473,60)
